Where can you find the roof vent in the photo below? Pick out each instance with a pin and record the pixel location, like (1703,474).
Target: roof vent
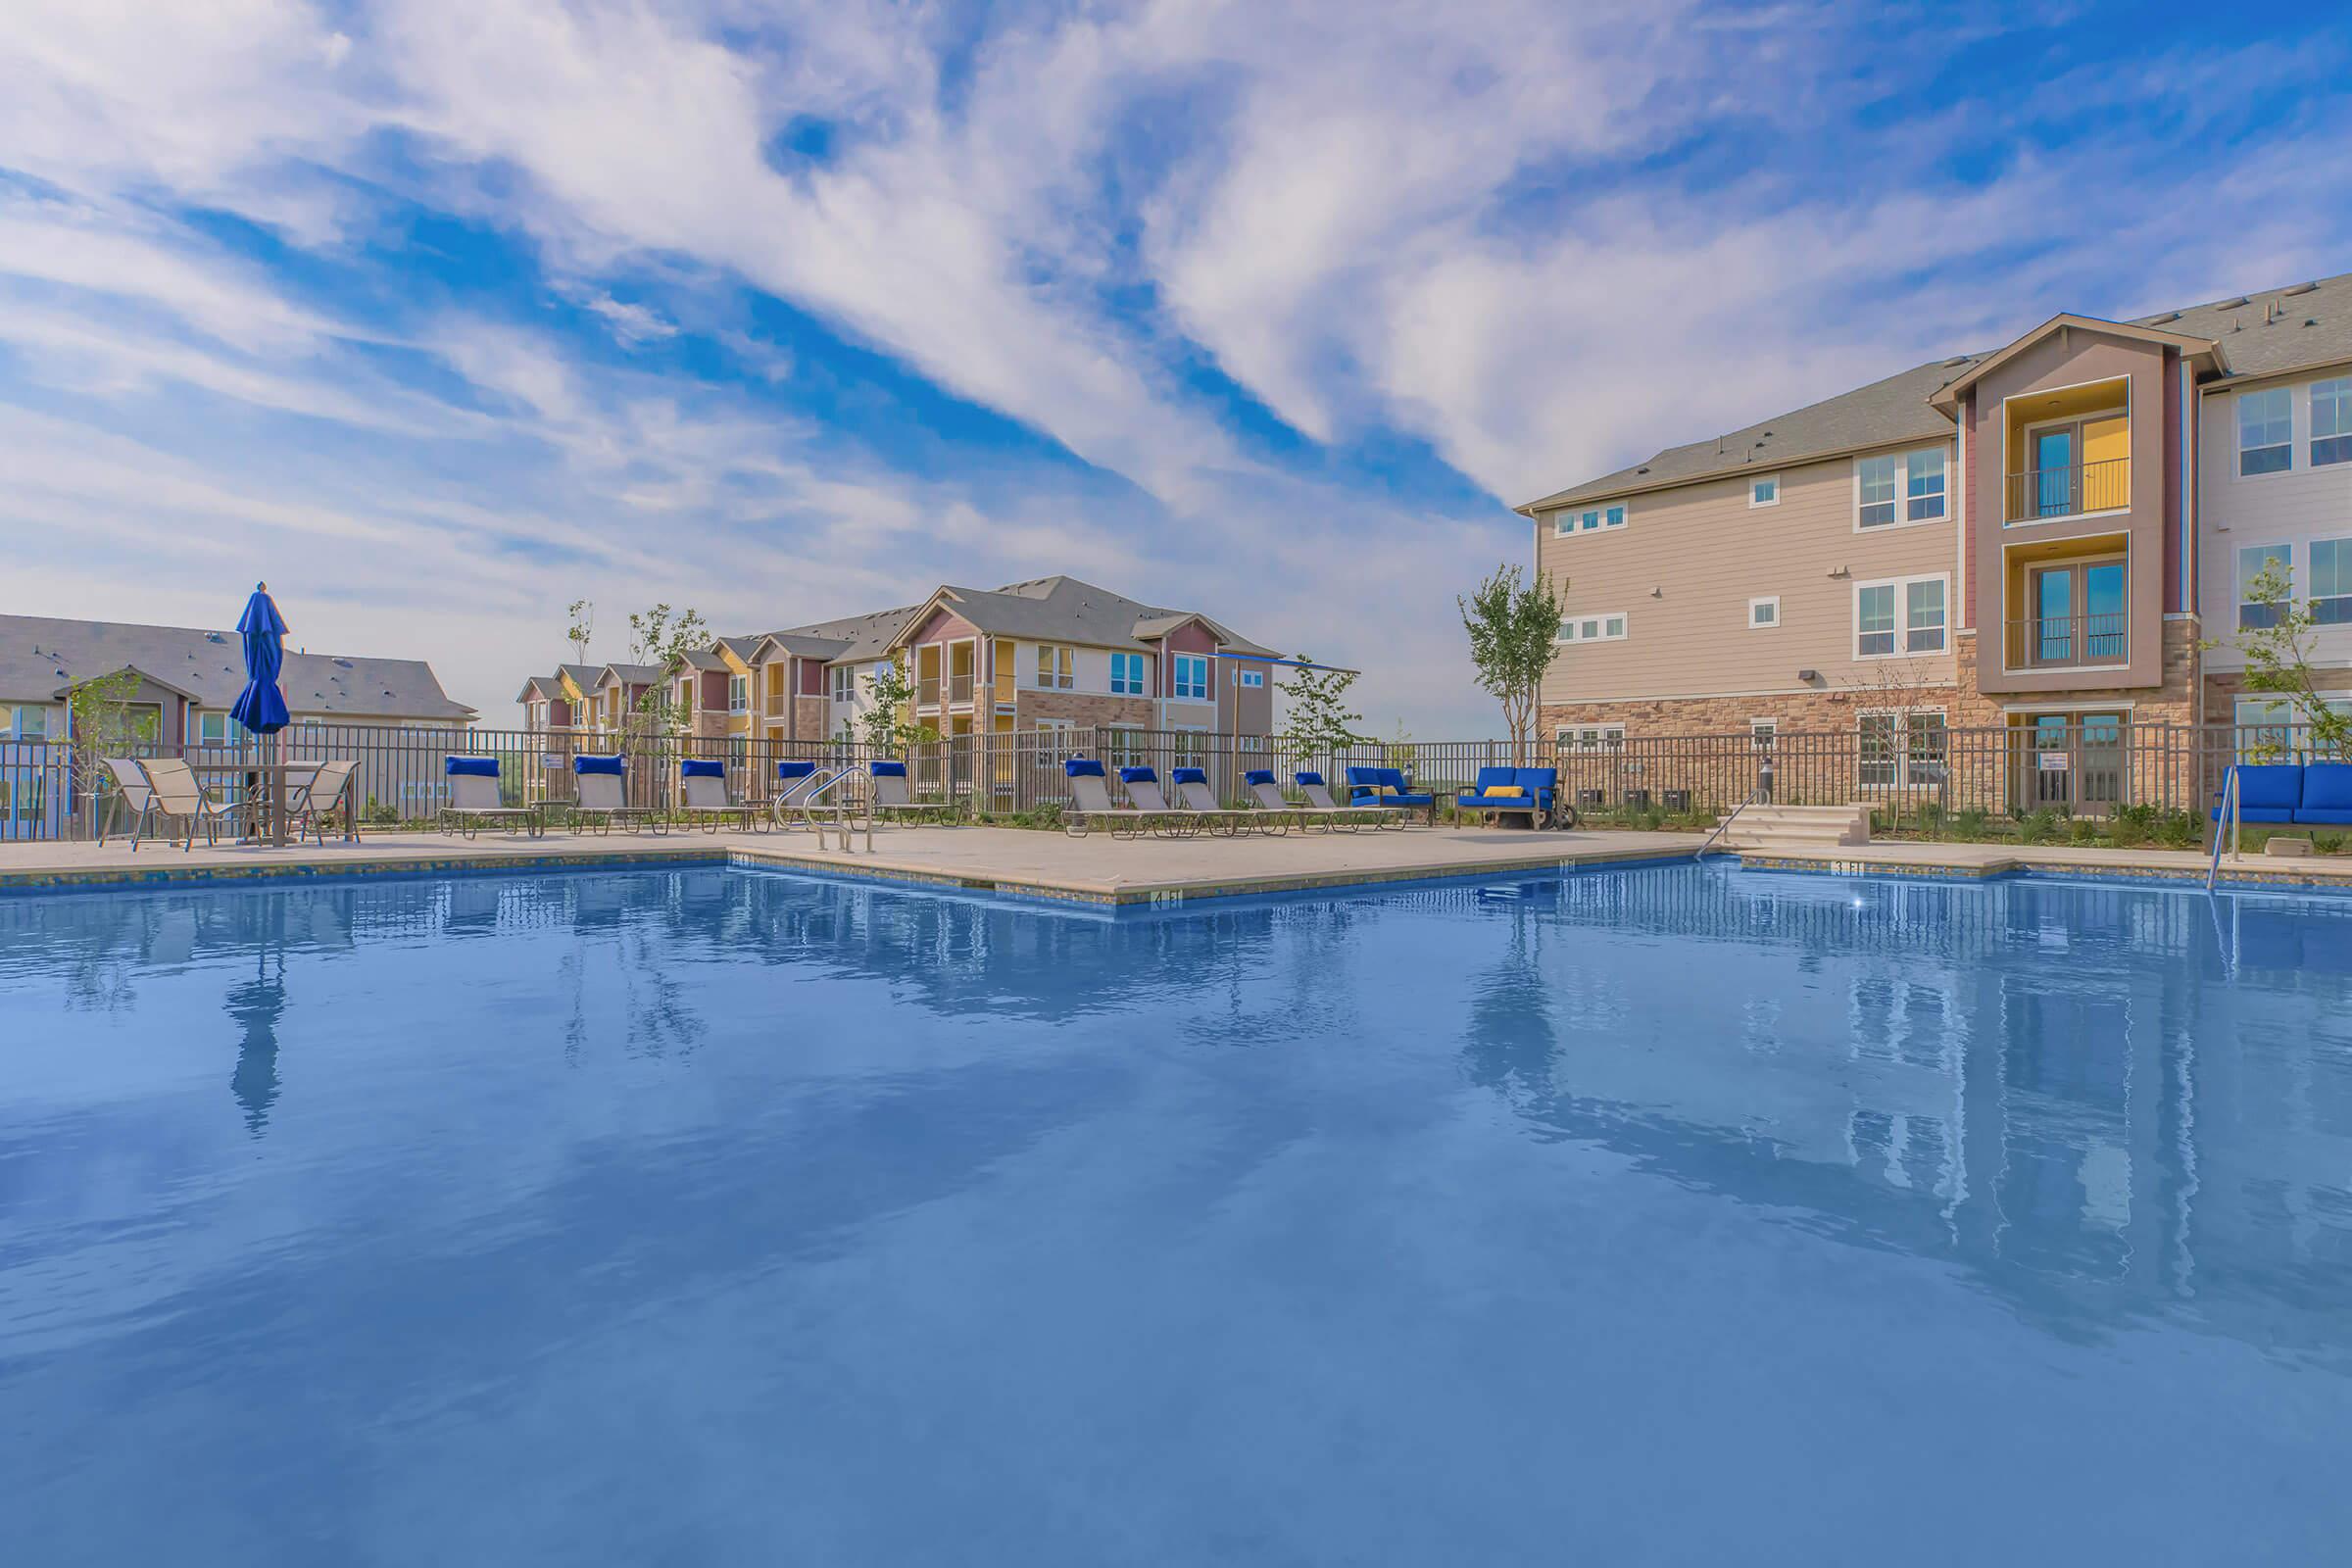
(1955,362)
(213,637)
(1644,468)
(2232,305)
(2299,289)
(342,663)
(2161,317)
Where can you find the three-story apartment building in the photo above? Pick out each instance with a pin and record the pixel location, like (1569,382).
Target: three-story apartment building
(2042,536)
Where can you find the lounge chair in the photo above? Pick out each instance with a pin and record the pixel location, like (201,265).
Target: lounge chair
(133,793)
(177,796)
(1351,817)
(1530,791)
(1267,800)
(1194,796)
(474,799)
(1091,802)
(704,795)
(601,796)
(892,795)
(308,803)
(1144,793)
(1390,789)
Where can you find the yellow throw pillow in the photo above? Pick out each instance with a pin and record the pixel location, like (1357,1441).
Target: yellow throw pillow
(1384,789)
(1506,792)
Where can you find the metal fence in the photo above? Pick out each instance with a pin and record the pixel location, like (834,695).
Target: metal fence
(1905,771)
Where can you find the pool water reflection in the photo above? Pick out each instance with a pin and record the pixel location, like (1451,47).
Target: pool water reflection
(710,1216)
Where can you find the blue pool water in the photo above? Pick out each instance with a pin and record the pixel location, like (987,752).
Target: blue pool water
(714,1217)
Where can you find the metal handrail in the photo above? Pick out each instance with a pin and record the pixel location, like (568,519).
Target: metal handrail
(1725,826)
(2231,816)
(843,809)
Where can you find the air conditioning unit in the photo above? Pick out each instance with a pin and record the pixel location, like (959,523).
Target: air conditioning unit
(1678,800)
(1591,797)
(1636,800)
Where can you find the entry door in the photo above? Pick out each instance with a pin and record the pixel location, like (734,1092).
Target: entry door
(2054,472)
(2054,616)
(2100,762)
(2050,766)
(2103,641)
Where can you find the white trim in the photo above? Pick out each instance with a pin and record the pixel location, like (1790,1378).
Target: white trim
(1754,481)
(1562,529)
(2124,707)
(1595,617)
(1902,617)
(1774,624)
(2237,433)
(2130,434)
(1903,487)
(1960,521)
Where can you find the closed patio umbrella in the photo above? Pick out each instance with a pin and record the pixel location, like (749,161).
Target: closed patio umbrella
(261,706)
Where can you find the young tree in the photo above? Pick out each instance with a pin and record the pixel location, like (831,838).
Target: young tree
(661,638)
(883,726)
(1316,721)
(2278,660)
(1514,628)
(101,722)
(583,628)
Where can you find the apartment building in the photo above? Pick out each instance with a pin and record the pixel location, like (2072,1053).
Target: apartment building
(2037,535)
(1047,653)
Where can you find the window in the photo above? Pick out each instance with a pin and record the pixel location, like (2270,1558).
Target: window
(23,724)
(1191,676)
(1901,747)
(1764,491)
(1924,484)
(1906,616)
(212,728)
(1057,667)
(1127,675)
(1763,614)
(2266,432)
(2330,583)
(845,682)
(1252,678)
(1589,737)
(1592,519)
(686,695)
(739,694)
(1899,487)
(2270,729)
(1764,731)
(2258,614)
(2332,421)
(1607,628)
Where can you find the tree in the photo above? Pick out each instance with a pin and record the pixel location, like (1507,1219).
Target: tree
(583,628)
(1514,629)
(101,722)
(661,638)
(882,726)
(2278,660)
(1316,719)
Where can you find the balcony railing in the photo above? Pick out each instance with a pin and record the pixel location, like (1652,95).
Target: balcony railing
(776,702)
(2068,642)
(960,688)
(2071,490)
(926,692)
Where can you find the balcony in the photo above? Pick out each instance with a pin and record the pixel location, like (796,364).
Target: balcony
(926,692)
(2069,642)
(777,703)
(2070,490)
(959,689)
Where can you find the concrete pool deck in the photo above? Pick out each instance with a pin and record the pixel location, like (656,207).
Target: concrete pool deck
(1098,869)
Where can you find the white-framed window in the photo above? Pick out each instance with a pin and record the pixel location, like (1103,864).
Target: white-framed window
(1589,737)
(843,678)
(739,694)
(1252,678)
(2272,729)
(1127,675)
(1608,626)
(2266,432)
(1764,490)
(2254,614)
(2330,583)
(1591,520)
(2332,421)
(1191,674)
(1057,667)
(1764,732)
(1764,613)
(1892,488)
(686,694)
(1902,748)
(27,723)
(1901,616)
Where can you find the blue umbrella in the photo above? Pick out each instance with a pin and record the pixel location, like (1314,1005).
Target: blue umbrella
(261,706)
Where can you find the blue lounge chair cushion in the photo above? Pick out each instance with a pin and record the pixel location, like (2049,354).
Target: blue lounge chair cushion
(1082,768)
(1259,775)
(1188,775)
(795,769)
(616,763)
(887,769)
(474,766)
(701,768)
(1366,783)
(2327,793)
(1307,775)
(1137,776)
(2267,792)
(1538,782)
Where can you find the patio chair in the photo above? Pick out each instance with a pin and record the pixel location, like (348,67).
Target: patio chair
(1389,788)
(601,796)
(316,798)
(1530,791)
(1169,821)
(132,793)
(474,800)
(177,796)
(1194,796)
(704,795)
(1267,800)
(1350,817)
(1091,802)
(893,798)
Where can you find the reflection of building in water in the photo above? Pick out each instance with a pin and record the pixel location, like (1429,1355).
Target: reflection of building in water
(2059,1087)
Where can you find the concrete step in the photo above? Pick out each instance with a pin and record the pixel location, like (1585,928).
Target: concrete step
(1795,828)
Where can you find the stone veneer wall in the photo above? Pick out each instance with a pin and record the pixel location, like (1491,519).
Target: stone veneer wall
(810,716)
(1083,709)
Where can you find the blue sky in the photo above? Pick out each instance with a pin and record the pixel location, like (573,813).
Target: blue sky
(444,313)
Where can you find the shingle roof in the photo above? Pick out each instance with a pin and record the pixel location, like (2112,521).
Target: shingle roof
(582,675)
(2258,334)
(550,687)
(1065,610)
(629,674)
(741,647)
(864,636)
(703,658)
(38,654)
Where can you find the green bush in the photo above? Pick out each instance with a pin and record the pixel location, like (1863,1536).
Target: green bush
(1971,823)
(2178,830)
(2040,827)
(2327,843)
(2085,830)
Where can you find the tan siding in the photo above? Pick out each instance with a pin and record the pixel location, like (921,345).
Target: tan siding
(2290,509)
(1709,553)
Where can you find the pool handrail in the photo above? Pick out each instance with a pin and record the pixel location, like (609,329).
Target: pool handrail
(2231,816)
(1725,826)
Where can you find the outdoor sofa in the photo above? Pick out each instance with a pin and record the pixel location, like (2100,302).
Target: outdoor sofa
(1528,792)
(1388,789)
(2304,794)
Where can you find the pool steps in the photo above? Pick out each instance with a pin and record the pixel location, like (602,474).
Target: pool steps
(1793,830)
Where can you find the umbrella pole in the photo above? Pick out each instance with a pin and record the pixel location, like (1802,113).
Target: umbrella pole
(277,793)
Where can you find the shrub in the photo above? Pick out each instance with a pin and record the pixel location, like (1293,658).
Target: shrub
(2039,827)
(2327,843)
(2085,830)
(1971,823)
(2178,830)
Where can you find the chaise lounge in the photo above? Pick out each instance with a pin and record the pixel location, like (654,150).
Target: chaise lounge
(474,799)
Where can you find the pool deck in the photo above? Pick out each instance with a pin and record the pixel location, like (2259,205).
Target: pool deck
(1101,872)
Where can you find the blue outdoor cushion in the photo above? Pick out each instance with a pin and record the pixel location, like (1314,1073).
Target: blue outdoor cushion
(1082,768)
(1488,777)
(477,767)
(1137,776)
(887,769)
(2324,815)
(1259,775)
(2270,786)
(615,763)
(1188,775)
(701,768)
(2327,787)
(795,769)
(1307,775)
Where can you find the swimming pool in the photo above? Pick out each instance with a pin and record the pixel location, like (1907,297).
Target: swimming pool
(713,1216)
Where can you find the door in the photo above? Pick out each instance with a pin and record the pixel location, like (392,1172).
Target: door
(2049,764)
(2054,472)
(2103,641)
(2100,762)
(2054,616)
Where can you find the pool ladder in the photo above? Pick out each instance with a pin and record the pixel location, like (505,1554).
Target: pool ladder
(844,808)
(2231,816)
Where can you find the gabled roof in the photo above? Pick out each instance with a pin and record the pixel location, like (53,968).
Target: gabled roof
(742,648)
(628,675)
(826,649)
(859,637)
(39,654)
(149,678)
(550,687)
(1064,609)
(703,658)
(2294,326)
(582,675)
(1947,396)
